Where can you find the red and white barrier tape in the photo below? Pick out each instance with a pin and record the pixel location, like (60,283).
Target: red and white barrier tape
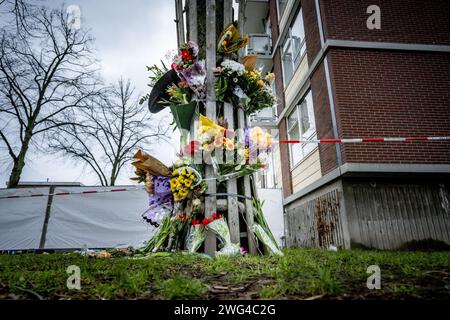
(354,140)
(71,193)
(359,140)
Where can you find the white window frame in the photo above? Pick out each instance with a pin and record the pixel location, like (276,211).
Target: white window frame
(310,134)
(280,14)
(288,43)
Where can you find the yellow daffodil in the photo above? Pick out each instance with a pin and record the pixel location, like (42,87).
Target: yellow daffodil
(188,183)
(173,184)
(260,83)
(183,193)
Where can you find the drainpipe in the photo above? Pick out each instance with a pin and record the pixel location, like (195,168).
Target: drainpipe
(329,85)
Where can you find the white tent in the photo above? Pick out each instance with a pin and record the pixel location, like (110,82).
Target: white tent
(72,221)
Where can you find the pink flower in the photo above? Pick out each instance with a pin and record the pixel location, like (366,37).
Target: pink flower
(217,70)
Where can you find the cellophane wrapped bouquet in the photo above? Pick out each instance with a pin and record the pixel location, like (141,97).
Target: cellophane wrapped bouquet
(219,227)
(196,236)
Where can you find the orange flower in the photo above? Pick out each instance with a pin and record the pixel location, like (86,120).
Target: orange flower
(218,142)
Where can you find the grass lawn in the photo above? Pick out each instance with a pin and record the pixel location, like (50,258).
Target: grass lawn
(300,274)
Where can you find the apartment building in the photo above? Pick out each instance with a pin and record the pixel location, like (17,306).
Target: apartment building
(342,74)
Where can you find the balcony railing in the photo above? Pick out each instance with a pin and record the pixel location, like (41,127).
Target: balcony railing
(265,118)
(259,44)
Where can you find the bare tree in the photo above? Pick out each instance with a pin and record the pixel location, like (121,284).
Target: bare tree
(47,74)
(113,128)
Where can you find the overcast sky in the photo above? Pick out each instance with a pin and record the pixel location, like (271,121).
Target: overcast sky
(129,35)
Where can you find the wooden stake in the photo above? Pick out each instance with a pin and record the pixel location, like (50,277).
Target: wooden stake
(210,202)
(242,122)
(233,212)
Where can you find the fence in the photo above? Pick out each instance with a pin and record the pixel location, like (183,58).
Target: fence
(76,217)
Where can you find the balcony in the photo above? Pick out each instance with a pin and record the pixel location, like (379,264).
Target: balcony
(266,118)
(259,45)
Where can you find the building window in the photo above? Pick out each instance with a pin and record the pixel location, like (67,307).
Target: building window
(281,7)
(301,126)
(293,47)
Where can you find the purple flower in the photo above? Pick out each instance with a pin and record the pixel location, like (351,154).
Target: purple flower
(195,75)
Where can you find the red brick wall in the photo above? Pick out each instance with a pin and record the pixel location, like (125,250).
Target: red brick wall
(322,111)
(274,20)
(391,94)
(324,127)
(277,69)
(406,21)
(312,35)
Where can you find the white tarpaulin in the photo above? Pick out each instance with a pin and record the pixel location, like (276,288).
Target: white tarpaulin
(273,211)
(21,219)
(95,220)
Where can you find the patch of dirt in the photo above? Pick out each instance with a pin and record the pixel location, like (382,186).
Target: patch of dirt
(220,288)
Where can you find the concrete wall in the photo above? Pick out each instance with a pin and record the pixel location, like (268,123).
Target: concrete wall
(387,214)
(378,213)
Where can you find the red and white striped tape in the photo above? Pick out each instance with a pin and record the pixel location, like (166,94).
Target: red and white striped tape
(354,140)
(70,193)
(359,140)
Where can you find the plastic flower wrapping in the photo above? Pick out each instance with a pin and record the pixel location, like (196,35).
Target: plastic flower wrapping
(266,240)
(190,70)
(245,86)
(184,181)
(196,236)
(160,201)
(220,228)
(239,157)
(230,40)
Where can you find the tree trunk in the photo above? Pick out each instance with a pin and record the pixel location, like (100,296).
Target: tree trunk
(112,181)
(19,163)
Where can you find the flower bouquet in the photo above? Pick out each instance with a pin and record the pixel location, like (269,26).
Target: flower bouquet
(177,232)
(261,229)
(184,181)
(219,227)
(230,40)
(158,240)
(245,86)
(242,157)
(269,244)
(196,236)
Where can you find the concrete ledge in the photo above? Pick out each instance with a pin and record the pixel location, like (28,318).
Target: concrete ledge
(387,45)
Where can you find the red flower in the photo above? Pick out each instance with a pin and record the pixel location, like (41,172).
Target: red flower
(185,55)
(195,222)
(205,221)
(174,66)
(192,147)
(214,216)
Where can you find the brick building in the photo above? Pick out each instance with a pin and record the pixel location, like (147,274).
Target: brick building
(336,78)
